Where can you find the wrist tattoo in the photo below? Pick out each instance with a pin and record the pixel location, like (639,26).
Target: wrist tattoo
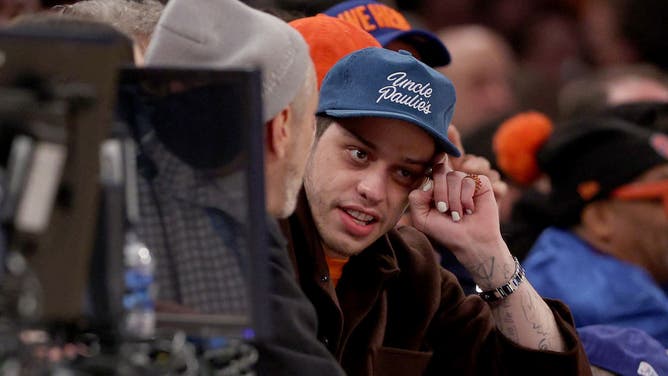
(483,271)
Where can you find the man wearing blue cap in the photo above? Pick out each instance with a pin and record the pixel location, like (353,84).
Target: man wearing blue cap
(392,30)
(385,307)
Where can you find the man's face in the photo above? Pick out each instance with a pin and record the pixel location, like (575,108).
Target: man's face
(398,45)
(636,89)
(302,134)
(640,229)
(10,9)
(359,176)
(482,74)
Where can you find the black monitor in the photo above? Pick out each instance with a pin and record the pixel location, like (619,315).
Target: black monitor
(57,93)
(227,137)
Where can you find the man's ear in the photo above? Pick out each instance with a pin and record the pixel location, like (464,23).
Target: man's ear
(278,133)
(595,219)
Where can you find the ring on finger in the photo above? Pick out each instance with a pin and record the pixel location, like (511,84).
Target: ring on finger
(476,179)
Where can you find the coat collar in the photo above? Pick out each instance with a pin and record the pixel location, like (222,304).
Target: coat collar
(362,285)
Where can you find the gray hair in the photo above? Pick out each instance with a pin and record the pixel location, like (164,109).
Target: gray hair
(308,87)
(135,18)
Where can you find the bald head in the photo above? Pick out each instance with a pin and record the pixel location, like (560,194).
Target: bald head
(481,69)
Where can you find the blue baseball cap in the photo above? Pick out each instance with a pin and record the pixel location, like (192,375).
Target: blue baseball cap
(387,24)
(624,351)
(382,83)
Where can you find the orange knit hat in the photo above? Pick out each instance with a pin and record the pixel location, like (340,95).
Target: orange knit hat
(330,39)
(516,143)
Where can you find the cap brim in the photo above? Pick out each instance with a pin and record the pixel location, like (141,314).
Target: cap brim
(442,142)
(433,52)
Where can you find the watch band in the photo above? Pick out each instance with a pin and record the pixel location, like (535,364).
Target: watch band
(500,293)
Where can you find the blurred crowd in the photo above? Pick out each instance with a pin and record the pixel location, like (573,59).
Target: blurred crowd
(513,55)
(561,104)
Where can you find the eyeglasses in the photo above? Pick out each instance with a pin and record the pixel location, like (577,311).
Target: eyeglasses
(656,190)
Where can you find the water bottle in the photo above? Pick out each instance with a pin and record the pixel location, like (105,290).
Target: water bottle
(139,297)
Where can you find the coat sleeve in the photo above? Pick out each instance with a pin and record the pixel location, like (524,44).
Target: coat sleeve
(294,348)
(465,339)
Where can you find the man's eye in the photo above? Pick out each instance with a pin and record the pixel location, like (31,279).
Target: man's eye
(407,177)
(405,173)
(358,154)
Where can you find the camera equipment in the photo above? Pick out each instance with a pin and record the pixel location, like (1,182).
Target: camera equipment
(65,81)
(70,126)
(57,88)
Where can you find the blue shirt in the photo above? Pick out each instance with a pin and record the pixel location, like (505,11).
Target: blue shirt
(599,288)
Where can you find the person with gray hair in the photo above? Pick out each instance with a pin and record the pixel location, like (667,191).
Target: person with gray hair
(135,18)
(196,270)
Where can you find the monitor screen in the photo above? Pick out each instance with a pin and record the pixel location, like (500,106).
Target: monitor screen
(199,138)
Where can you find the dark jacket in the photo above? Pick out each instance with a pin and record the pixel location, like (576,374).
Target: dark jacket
(395,311)
(293,349)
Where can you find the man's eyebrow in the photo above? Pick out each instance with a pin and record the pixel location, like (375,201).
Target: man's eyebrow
(359,138)
(372,146)
(423,163)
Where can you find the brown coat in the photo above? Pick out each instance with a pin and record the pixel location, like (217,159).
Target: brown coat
(395,311)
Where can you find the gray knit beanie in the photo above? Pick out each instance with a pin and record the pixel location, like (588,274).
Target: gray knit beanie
(230,34)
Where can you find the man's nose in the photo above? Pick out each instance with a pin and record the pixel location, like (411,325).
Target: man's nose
(372,185)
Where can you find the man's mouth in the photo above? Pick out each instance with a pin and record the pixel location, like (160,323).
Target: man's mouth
(360,218)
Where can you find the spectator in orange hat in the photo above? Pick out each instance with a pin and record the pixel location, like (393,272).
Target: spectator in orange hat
(330,39)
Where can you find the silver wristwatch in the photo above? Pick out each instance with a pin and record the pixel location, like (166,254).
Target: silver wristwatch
(498,294)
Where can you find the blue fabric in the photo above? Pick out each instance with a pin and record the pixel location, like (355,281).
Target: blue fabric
(598,288)
(624,351)
(387,84)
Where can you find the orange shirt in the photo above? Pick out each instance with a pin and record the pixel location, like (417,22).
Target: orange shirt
(335,266)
